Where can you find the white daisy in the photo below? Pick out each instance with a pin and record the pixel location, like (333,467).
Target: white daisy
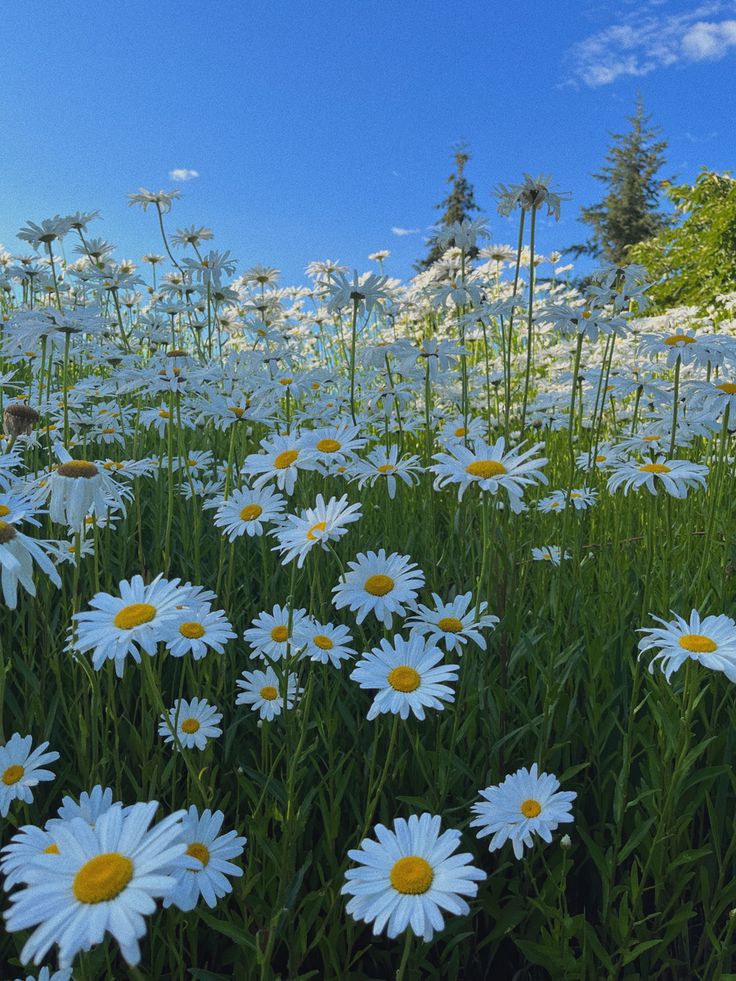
(281,460)
(22,768)
(246,511)
(194,723)
(18,552)
(78,487)
(262,690)
(453,624)
(549,553)
(319,525)
(710,641)
(378,584)
(491,467)
(202,630)
(676,477)
(271,635)
(325,643)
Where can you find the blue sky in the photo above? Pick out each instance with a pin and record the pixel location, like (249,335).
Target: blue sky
(317,126)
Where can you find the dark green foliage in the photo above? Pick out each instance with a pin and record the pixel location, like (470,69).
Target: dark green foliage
(459,204)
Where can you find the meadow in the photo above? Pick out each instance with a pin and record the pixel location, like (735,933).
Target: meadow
(405,544)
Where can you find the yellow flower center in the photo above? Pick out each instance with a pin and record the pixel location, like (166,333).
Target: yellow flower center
(378,585)
(451,625)
(269,693)
(386,468)
(404,678)
(77,468)
(285,459)
(697,644)
(190,726)
(600,458)
(678,339)
(192,630)
(328,446)
(52,849)
(236,410)
(102,878)
(13,774)
(324,643)
(485,469)
(286,381)
(4,510)
(199,851)
(320,526)
(412,875)
(655,468)
(164,414)
(728,387)
(280,634)
(460,431)
(651,439)
(250,512)
(531,808)
(134,615)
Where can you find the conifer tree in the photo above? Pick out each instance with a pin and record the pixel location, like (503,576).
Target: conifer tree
(459,204)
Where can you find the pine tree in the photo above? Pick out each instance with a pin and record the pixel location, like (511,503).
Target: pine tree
(459,204)
(628,214)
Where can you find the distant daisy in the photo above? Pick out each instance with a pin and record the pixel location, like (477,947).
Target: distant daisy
(271,635)
(378,584)
(262,690)
(246,511)
(549,553)
(194,723)
(202,631)
(325,643)
(453,624)
(324,523)
(22,768)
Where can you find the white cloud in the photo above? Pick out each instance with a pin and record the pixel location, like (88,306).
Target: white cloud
(647,40)
(182,174)
(405,231)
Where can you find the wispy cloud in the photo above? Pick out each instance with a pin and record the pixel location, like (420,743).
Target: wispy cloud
(405,231)
(644,41)
(183,174)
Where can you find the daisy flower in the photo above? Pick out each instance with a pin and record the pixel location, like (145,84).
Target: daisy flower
(263,692)
(326,643)
(384,465)
(525,804)
(92,805)
(119,626)
(409,875)
(271,635)
(208,853)
(193,722)
(333,446)
(710,641)
(408,676)
(28,843)
(676,477)
(549,553)
(491,467)
(103,879)
(46,975)
(453,624)
(78,487)
(323,523)
(378,584)
(281,460)
(22,768)
(18,552)
(203,630)
(246,511)
(580,498)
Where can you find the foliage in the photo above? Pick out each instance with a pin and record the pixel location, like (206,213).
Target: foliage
(458,205)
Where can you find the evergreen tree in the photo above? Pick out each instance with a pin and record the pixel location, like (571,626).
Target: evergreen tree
(629,213)
(459,204)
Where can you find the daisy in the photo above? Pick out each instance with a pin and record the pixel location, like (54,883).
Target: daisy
(203,630)
(453,624)
(605,456)
(28,842)
(193,722)
(491,468)
(246,511)
(78,487)
(281,460)
(378,584)
(325,643)
(92,805)
(46,975)
(333,446)
(319,525)
(581,498)
(408,677)
(549,553)
(525,804)
(208,853)
(21,769)
(262,690)
(18,552)
(384,465)
(103,879)
(675,476)
(119,626)
(271,635)
(711,642)
(409,875)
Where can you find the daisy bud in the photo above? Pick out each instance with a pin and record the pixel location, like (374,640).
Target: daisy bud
(565,842)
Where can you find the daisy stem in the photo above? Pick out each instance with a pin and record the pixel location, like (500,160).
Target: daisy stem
(530,321)
(408,937)
(353,333)
(675,404)
(507,353)
(374,794)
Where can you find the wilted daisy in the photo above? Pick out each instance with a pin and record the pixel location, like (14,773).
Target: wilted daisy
(262,690)
(409,677)
(271,634)
(378,584)
(453,624)
(208,855)
(710,641)
(103,879)
(18,552)
(325,643)
(491,467)
(22,768)
(676,477)
(191,724)
(247,510)
(203,630)
(409,875)
(526,804)
(319,525)
(78,487)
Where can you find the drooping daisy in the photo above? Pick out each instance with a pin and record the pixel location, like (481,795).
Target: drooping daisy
(208,867)
(710,641)
(247,510)
(272,634)
(119,626)
(18,552)
(453,624)
(527,803)
(326,643)
(408,675)
(549,553)
(103,879)
(281,460)
(491,467)
(202,630)
(378,584)
(323,523)
(262,690)
(409,875)
(78,487)
(194,723)
(22,768)
(676,477)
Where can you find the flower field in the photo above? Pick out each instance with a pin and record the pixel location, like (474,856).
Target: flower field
(362,629)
